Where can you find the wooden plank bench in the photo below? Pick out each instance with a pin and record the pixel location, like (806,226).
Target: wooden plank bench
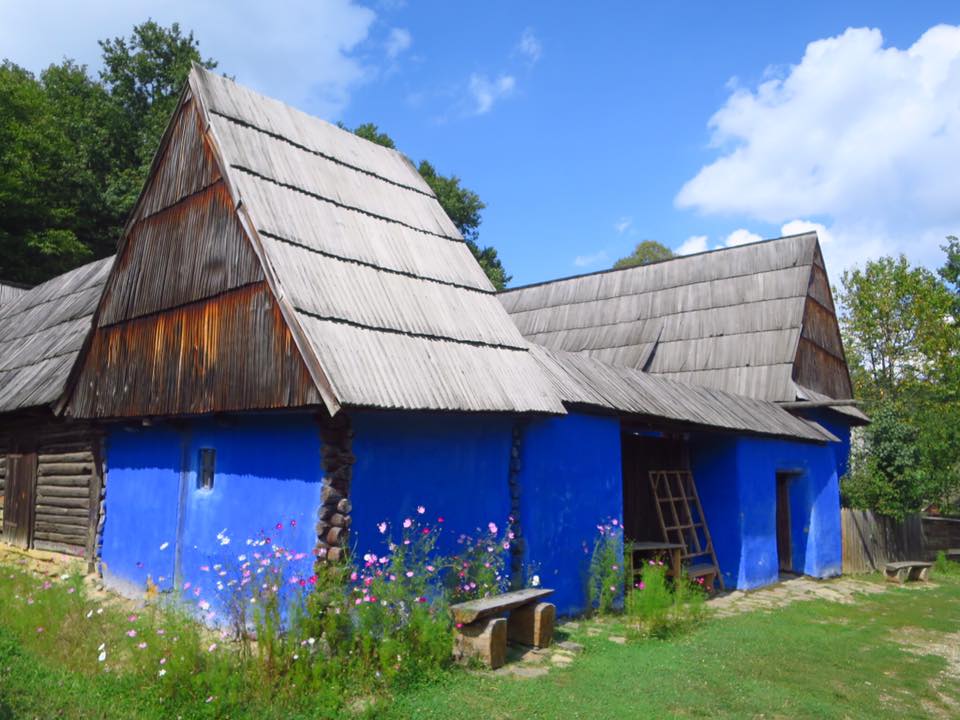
(483,631)
(899,572)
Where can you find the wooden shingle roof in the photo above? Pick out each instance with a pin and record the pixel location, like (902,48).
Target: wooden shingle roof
(41,333)
(755,320)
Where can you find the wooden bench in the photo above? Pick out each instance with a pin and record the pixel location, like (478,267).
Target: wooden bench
(953,554)
(483,631)
(900,572)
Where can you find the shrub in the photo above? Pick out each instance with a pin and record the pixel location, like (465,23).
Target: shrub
(606,575)
(943,566)
(658,610)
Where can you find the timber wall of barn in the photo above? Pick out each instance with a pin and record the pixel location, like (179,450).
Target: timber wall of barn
(69,489)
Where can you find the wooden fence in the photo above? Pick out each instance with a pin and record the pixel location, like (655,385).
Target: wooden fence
(870,541)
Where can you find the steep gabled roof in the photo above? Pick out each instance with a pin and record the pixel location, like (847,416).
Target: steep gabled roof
(41,333)
(753,320)
(10,292)
(369,293)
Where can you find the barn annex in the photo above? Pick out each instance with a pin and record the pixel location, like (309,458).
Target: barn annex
(294,330)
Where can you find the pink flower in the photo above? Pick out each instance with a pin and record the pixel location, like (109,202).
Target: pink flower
(71,591)
(132,618)
(492,527)
(640,585)
(131,633)
(161,631)
(279,526)
(407,522)
(421,509)
(47,585)
(421,599)
(426,531)
(163,661)
(430,568)
(203,605)
(440,519)
(186,585)
(358,601)
(382,527)
(39,629)
(142,646)
(353,576)
(506,546)
(293,523)
(614,521)
(213,646)
(409,573)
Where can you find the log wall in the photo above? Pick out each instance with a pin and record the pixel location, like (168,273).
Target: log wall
(69,488)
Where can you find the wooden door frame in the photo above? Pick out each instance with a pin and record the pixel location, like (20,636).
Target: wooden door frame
(784,519)
(29,456)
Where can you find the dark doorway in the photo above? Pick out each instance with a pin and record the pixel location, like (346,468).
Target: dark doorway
(19,499)
(784,540)
(641,454)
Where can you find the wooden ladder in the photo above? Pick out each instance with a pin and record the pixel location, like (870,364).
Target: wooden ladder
(682,521)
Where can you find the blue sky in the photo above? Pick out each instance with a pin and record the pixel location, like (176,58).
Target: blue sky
(589,127)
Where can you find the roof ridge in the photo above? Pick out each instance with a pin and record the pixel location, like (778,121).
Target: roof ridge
(664,261)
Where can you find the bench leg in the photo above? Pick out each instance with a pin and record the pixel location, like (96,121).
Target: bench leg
(921,574)
(485,640)
(896,576)
(532,624)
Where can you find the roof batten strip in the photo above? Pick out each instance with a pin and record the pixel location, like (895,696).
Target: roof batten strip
(374,266)
(394,331)
(267,178)
(331,158)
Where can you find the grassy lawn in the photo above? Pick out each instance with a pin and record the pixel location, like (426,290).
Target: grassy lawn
(883,656)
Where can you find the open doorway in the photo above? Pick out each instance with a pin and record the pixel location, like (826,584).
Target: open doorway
(785,479)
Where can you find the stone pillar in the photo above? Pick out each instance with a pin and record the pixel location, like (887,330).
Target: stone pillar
(518,542)
(337,459)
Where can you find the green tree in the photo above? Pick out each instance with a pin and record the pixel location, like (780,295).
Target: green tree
(463,206)
(74,150)
(903,347)
(46,180)
(896,327)
(644,253)
(143,75)
(886,473)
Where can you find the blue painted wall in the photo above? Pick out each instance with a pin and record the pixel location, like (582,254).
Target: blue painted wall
(267,472)
(736,478)
(456,466)
(143,481)
(570,482)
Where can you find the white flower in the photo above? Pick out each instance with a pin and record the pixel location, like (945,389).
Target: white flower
(162,672)
(102,656)
(535,581)
(164,546)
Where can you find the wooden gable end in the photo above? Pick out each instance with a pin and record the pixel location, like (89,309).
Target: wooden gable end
(188,322)
(820,363)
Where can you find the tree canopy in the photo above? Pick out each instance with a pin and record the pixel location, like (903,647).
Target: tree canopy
(463,206)
(644,253)
(903,347)
(75,150)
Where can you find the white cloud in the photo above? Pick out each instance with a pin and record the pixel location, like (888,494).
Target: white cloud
(623,224)
(398,41)
(303,54)
(693,244)
(864,137)
(584,261)
(741,236)
(530,46)
(485,92)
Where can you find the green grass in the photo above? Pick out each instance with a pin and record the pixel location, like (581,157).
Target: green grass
(811,659)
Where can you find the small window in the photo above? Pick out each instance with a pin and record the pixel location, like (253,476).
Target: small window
(208,458)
